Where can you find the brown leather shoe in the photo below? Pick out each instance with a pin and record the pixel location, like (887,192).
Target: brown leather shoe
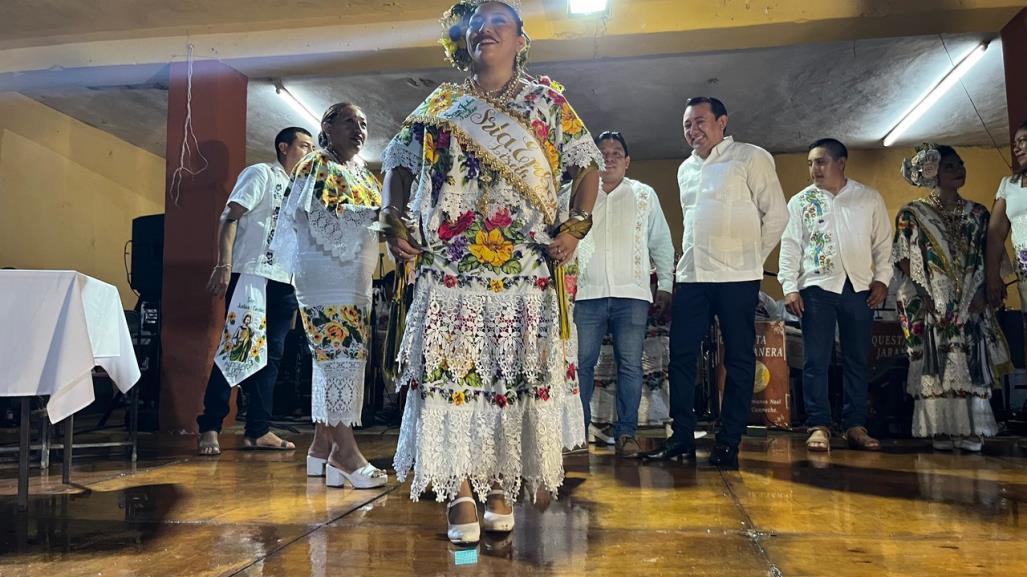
(627,447)
(859,439)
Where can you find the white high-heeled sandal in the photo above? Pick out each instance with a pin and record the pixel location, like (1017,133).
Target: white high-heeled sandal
(316,466)
(366,477)
(463,533)
(497,522)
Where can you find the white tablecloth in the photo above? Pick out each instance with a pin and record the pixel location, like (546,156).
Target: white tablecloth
(55,326)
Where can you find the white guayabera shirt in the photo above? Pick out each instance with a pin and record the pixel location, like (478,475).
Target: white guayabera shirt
(734,213)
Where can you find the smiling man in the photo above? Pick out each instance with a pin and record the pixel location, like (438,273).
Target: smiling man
(835,267)
(734,213)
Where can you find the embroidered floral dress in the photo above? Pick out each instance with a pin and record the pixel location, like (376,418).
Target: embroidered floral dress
(492,386)
(956,354)
(323,237)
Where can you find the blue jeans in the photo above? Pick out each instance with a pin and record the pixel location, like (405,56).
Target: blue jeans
(260,386)
(695,305)
(855,320)
(627,320)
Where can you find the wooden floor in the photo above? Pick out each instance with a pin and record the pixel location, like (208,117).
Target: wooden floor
(905,512)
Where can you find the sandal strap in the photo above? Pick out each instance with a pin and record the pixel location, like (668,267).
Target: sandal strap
(459,500)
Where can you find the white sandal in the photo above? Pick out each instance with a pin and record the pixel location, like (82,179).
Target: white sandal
(366,477)
(497,522)
(316,466)
(463,533)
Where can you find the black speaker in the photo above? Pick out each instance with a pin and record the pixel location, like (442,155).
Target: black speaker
(148,256)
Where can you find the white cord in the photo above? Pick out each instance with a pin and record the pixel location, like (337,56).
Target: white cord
(187,133)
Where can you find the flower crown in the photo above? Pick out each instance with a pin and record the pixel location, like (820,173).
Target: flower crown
(922,168)
(454,28)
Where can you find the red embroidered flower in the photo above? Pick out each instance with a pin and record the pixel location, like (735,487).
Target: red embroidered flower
(501,401)
(501,219)
(572,371)
(442,143)
(447,231)
(571,282)
(543,393)
(450,281)
(545,80)
(541,129)
(542,282)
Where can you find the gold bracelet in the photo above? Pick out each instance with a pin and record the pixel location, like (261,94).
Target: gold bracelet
(577,226)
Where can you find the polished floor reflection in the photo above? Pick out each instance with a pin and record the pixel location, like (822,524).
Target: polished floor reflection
(905,511)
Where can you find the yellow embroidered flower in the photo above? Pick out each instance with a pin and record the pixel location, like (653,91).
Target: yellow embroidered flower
(263,324)
(254,352)
(429,148)
(330,311)
(551,155)
(496,285)
(459,398)
(231,317)
(350,315)
(322,356)
(569,121)
(440,103)
(491,247)
(336,331)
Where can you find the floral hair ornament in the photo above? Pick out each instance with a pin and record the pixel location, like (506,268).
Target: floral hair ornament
(922,168)
(454,32)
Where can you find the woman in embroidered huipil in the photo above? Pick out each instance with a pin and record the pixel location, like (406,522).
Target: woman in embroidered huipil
(323,236)
(488,353)
(957,352)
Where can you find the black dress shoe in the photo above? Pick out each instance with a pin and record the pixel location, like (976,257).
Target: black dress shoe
(669,452)
(724,457)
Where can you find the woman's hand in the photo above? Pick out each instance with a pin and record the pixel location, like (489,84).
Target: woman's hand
(996,290)
(561,250)
(402,250)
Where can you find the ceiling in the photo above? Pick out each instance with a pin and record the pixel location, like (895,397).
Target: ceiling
(780,98)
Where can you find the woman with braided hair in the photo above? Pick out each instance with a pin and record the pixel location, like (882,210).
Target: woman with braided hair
(474,211)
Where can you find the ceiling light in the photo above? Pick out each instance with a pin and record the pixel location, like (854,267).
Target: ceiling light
(297,105)
(587,6)
(939,90)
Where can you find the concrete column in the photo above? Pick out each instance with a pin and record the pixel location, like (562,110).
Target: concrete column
(192,319)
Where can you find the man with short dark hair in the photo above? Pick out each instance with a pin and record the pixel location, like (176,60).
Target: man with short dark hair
(734,212)
(629,234)
(835,267)
(260,296)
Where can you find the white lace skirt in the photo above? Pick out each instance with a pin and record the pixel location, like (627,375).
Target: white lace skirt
(508,429)
(335,302)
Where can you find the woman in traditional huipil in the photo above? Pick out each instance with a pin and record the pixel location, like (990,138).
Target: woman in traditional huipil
(488,353)
(323,236)
(957,352)
(1010,214)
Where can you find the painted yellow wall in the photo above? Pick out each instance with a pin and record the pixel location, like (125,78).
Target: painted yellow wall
(878,168)
(69,192)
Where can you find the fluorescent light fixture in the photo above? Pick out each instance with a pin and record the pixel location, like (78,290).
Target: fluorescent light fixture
(936,93)
(297,105)
(587,6)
